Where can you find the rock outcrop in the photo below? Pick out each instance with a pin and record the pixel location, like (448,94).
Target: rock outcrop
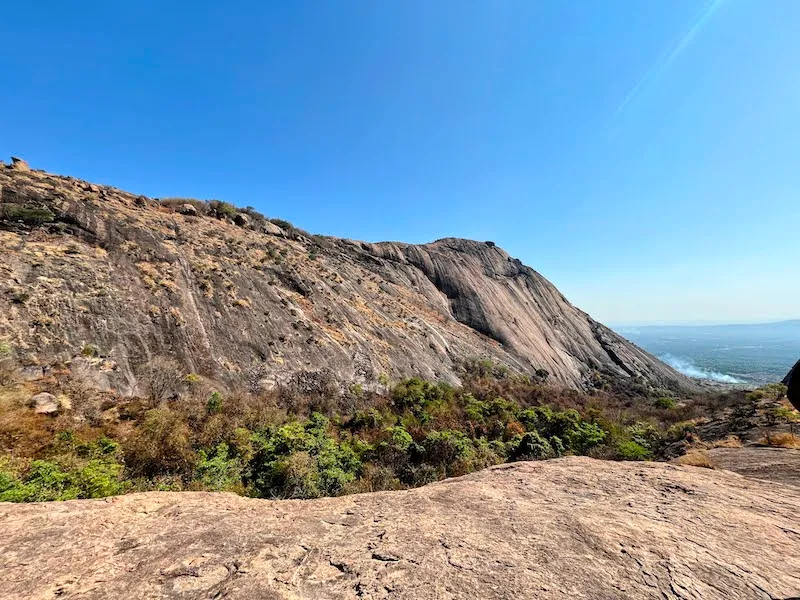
(561,529)
(792,382)
(44,404)
(86,264)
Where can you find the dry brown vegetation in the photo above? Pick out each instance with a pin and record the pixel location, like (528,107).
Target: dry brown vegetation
(781,440)
(697,458)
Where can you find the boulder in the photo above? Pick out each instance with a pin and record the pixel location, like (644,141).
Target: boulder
(44,403)
(792,381)
(272,229)
(19,165)
(241,219)
(188,209)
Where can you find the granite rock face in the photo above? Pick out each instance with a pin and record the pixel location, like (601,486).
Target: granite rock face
(561,529)
(87,265)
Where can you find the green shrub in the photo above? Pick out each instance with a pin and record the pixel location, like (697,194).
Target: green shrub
(285,225)
(221,209)
(582,436)
(301,460)
(646,435)
(214,404)
(531,446)
(369,419)
(47,480)
(26,214)
(630,450)
(446,449)
(90,351)
(419,396)
(665,403)
(479,368)
(219,471)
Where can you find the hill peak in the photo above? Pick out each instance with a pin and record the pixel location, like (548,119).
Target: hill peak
(224,291)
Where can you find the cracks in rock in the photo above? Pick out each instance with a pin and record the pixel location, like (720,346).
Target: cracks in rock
(341,566)
(384,557)
(608,349)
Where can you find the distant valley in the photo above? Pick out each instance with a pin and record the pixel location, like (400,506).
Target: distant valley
(750,354)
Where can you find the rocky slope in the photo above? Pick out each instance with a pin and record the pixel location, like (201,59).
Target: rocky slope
(567,528)
(120,278)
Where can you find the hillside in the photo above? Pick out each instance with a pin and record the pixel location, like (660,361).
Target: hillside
(92,271)
(567,528)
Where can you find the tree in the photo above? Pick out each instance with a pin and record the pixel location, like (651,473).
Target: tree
(788,415)
(158,377)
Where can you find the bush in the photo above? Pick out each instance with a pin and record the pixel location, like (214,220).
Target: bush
(90,351)
(416,394)
(531,446)
(780,440)
(630,450)
(46,481)
(285,225)
(222,210)
(161,445)
(214,404)
(665,403)
(28,215)
(697,458)
(583,436)
(447,450)
(301,460)
(478,368)
(219,472)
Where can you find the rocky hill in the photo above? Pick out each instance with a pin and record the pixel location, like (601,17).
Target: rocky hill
(115,279)
(561,529)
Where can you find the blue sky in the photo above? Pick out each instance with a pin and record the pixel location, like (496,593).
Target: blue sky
(644,156)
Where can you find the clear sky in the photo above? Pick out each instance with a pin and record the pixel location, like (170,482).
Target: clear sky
(642,155)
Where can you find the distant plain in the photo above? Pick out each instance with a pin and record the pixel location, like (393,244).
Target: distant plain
(751,354)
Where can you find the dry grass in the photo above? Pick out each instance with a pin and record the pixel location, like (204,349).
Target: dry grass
(697,458)
(781,440)
(729,442)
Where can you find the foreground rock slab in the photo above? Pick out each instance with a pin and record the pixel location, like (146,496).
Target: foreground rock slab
(568,528)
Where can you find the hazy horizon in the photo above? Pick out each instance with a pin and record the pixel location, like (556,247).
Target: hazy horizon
(632,324)
(641,156)
(751,353)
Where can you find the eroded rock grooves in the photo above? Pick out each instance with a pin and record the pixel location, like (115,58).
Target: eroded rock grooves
(561,529)
(86,264)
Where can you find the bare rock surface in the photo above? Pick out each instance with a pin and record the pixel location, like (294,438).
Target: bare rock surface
(562,529)
(85,264)
(774,464)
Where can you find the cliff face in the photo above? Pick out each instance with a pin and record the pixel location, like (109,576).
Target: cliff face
(92,269)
